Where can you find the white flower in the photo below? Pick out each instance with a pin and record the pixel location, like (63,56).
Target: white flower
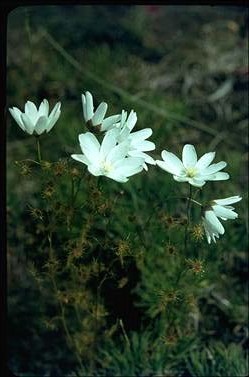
(137,140)
(195,172)
(96,119)
(35,120)
(218,208)
(108,159)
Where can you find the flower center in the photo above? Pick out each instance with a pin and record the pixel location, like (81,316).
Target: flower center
(191,172)
(106,167)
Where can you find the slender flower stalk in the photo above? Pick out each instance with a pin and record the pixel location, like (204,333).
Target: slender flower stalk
(38,149)
(189,199)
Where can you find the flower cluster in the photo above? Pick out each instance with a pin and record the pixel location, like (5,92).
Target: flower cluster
(197,172)
(122,153)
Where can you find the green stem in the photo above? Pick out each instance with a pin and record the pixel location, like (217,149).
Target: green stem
(63,318)
(38,149)
(188,219)
(194,201)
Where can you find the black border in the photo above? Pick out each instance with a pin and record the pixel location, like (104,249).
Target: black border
(5,8)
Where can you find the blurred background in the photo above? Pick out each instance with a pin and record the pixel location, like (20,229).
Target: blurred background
(184,70)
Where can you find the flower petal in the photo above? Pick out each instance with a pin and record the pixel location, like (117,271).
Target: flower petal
(89,106)
(29,126)
(220,176)
(117,153)
(31,111)
(41,125)
(117,176)
(227,213)
(229,200)
(171,163)
(109,122)
(196,182)
(214,168)
(108,143)
(95,170)
(16,113)
(80,158)
(43,108)
(129,166)
(146,157)
(181,178)
(144,146)
(189,156)
(141,135)
(54,116)
(205,160)
(214,221)
(90,147)
(132,119)
(99,114)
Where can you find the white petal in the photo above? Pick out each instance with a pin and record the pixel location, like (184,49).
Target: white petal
(221,211)
(207,232)
(189,156)
(54,116)
(31,111)
(141,135)
(123,118)
(108,143)
(16,113)
(181,178)
(41,125)
(205,160)
(80,158)
(132,119)
(90,147)
(117,177)
(89,106)
(144,146)
(83,98)
(230,200)
(129,166)
(212,219)
(220,176)
(29,126)
(43,108)
(196,182)
(171,163)
(99,115)
(145,156)
(109,122)
(117,153)
(95,170)
(214,168)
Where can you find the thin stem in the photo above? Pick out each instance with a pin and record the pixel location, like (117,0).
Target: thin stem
(124,333)
(38,148)
(63,318)
(29,160)
(194,201)
(188,219)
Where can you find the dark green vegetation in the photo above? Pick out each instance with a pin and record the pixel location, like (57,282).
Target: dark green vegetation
(108,265)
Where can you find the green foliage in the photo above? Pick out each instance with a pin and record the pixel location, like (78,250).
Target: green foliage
(218,360)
